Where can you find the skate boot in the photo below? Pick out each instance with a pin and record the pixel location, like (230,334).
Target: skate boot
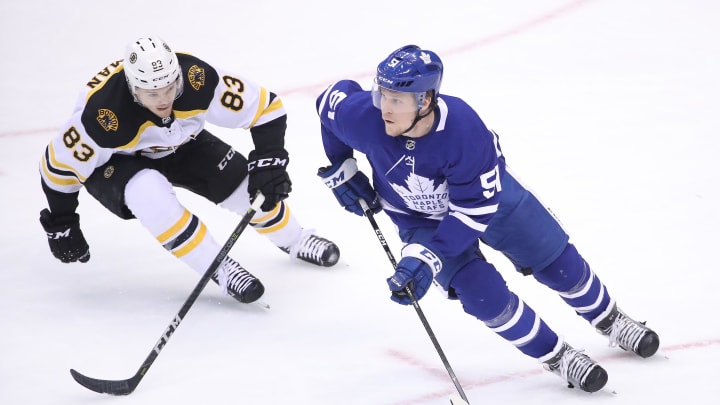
(576,368)
(314,249)
(627,333)
(237,282)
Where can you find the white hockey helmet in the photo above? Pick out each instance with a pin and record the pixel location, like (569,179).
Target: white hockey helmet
(150,64)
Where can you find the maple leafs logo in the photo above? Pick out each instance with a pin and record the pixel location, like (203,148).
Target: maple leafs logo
(421,195)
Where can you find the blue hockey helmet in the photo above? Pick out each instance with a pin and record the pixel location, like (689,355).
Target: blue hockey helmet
(412,70)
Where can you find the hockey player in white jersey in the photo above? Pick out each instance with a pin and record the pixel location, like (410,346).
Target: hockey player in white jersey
(440,175)
(138,131)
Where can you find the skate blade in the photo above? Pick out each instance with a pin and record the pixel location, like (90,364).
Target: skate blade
(261,304)
(456,400)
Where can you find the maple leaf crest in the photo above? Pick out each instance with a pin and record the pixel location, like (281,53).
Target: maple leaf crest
(420,194)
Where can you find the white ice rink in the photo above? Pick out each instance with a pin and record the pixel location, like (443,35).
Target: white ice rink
(607,108)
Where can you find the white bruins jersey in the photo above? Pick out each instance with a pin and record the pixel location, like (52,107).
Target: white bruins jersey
(107,120)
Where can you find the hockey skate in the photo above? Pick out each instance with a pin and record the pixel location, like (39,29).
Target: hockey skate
(626,332)
(237,282)
(314,249)
(578,369)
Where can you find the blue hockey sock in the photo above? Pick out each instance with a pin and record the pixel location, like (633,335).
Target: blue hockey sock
(576,283)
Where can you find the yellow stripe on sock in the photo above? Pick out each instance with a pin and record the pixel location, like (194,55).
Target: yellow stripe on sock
(193,243)
(177,227)
(279,225)
(270,215)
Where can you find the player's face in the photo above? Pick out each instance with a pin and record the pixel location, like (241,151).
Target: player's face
(159,101)
(398,110)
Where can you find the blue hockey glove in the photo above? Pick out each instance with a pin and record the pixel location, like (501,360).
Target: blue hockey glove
(350,185)
(65,238)
(415,270)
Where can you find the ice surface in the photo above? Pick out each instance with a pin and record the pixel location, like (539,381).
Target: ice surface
(607,108)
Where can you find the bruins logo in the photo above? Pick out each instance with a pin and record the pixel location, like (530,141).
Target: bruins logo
(196,77)
(109,171)
(107,119)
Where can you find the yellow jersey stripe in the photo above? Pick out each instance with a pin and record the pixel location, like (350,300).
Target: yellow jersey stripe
(187,114)
(55,163)
(134,142)
(261,106)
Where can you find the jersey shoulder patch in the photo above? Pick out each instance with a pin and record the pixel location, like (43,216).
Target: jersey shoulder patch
(110,116)
(199,83)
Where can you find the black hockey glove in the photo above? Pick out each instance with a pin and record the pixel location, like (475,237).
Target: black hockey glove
(66,240)
(268,173)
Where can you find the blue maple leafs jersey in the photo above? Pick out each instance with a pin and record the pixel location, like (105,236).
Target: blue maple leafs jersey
(448,179)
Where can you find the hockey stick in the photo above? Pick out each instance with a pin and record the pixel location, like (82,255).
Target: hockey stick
(125,387)
(453,400)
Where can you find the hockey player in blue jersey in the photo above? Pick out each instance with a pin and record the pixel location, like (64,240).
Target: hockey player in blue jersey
(439,173)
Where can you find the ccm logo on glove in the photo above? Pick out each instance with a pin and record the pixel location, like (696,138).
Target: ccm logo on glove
(64,236)
(335,176)
(267,162)
(59,234)
(267,173)
(420,252)
(349,185)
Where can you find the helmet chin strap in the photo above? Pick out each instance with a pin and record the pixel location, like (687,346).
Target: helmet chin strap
(419,117)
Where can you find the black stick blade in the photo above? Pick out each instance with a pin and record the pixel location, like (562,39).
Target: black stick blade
(112,387)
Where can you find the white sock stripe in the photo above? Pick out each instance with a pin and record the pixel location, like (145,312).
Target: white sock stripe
(582,291)
(531,335)
(595,304)
(604,314)
(514,320)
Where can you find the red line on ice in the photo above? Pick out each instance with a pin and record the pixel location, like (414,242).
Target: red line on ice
(468,385)
(315,88)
